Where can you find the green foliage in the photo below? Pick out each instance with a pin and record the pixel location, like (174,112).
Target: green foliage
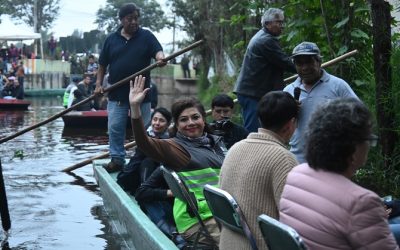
(151,15)
(47,12)
(337,27)
(19,154)
(383,181)
(334,26)
(396,84)
(374,175)
(4,7)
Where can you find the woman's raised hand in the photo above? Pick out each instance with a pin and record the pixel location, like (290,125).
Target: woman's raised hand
(137,92)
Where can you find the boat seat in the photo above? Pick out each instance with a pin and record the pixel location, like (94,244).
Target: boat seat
(180,191)
(279,236)
(227,212)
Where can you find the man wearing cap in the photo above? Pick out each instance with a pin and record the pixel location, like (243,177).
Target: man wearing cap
(126,51)
(316,87)
(262,68)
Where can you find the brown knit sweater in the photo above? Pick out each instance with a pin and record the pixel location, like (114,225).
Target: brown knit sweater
(254,173)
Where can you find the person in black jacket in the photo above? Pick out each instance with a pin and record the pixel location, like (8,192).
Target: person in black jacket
(262,68)
(156,199)
(140,166)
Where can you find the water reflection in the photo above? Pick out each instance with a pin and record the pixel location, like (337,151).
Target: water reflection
(50,209)
(90,186)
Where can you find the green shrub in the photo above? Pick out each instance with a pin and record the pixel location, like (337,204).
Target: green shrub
(374,176)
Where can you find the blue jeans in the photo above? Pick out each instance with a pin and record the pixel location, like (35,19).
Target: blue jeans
(159,210)
(117,119)
(145,109)
(249,112)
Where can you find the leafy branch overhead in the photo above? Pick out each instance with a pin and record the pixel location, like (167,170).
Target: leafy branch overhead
(151,15)
(23,10)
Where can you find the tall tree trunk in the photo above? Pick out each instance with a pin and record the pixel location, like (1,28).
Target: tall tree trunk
(381,19)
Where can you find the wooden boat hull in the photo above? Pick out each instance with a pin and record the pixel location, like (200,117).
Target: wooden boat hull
(126,216)
(14,104)
(87,119)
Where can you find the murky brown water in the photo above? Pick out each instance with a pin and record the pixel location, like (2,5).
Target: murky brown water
(50,209)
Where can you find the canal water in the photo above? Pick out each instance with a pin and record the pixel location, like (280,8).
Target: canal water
(51,209)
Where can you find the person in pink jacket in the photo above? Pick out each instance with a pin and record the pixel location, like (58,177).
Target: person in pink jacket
(319,199)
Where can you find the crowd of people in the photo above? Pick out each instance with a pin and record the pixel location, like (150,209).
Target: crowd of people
(12,80)
(293,159)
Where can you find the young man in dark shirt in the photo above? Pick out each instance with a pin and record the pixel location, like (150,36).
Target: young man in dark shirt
(221,111)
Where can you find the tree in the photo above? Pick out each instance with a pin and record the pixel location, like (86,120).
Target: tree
(151,15)
(46,12)
(4,8)
(213,22)
(381,21)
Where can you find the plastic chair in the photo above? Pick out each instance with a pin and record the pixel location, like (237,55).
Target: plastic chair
(279,236)
(181,192)
(226,211)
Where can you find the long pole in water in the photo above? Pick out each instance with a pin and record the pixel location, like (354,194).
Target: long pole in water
(5,215)
(132,144)
(102,156)
(112,87)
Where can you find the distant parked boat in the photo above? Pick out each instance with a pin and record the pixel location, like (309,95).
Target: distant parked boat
(87,119)
(14,104)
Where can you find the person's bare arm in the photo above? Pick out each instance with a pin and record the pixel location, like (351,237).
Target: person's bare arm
(165,151)
(99,81)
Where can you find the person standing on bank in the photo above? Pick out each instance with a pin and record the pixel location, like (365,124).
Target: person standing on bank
(125,52)
(262,68)
(185,66)
(316,86)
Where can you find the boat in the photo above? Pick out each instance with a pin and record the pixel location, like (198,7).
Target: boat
(14,104)
(87,119)
(138,231)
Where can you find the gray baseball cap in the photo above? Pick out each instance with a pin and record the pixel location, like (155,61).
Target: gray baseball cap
(306,48)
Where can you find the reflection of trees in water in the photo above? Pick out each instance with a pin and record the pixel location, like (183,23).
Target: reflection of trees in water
(46,101)
(114,240)
(76,136)
(11,119)
(91,134)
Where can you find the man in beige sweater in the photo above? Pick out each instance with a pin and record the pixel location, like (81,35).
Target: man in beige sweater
(255,169)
